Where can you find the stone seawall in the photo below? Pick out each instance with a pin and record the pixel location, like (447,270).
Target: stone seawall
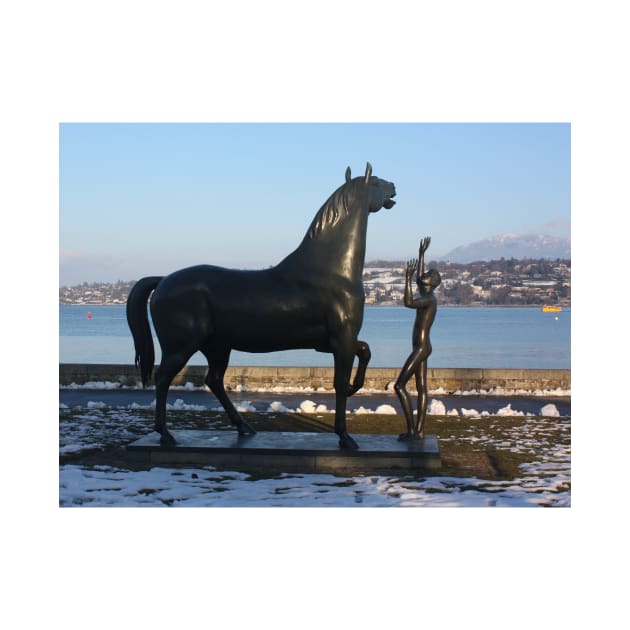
(253,377)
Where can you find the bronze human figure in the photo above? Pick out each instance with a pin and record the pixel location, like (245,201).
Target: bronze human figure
(312,299)
(416,364)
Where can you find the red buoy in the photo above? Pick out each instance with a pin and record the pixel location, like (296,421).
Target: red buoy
(89,315)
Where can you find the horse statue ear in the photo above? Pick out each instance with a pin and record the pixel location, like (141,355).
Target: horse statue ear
(368,172)
(348,176)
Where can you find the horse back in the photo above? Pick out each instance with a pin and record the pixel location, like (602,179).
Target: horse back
(254,311)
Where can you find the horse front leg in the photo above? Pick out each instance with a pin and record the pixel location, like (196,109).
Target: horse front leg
(343,369)
(364,354)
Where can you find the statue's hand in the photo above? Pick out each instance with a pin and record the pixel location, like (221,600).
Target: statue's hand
(424,244)
(412,265)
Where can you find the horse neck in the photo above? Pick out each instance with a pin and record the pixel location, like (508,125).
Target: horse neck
(339,251)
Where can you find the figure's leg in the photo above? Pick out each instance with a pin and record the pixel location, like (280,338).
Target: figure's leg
(423,397)
(364,355)
(217,365)
(408,370)
(170,365)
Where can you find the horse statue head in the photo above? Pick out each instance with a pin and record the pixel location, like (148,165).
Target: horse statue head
(380,192)
(357,194)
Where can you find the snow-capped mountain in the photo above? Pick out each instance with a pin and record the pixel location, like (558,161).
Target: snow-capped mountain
(511,246)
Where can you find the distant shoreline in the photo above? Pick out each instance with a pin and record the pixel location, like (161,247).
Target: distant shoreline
(502,283)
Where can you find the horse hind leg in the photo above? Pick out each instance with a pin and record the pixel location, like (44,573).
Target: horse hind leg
(170,365)
(364,355)
(217,365)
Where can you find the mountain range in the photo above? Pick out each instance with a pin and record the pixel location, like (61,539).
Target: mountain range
(511,246)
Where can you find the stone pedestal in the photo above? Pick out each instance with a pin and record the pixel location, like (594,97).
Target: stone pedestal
(289,451)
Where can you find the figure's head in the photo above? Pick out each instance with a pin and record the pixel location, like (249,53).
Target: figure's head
(429,280)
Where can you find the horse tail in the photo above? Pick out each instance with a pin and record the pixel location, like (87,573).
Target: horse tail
(138,320)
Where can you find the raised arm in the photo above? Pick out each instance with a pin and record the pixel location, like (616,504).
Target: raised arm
(424,245)
(412,266)
(422,300)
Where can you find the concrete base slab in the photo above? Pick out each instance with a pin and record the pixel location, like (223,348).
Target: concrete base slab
(289,451)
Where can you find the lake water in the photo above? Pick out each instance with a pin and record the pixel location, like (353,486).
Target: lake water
(461,337)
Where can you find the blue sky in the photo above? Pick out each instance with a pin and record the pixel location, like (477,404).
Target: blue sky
(141,199)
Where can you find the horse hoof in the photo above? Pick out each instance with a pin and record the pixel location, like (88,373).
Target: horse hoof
(166,439)
(347,443)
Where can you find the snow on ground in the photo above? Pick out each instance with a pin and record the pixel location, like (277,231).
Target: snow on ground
(550,410)
(97,385)
(208,487)
(545,481)
(434,408)
(501,391)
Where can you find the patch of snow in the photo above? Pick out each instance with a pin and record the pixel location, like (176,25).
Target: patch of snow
(440,391)
(94,385)
(92,404)
(70,448)
(436,408)
(307,406)
(180,405)
(245,406)
(277,406)
(470,413)
(288,389)
(508,411)
(550,410)
(135,405)
(386,410)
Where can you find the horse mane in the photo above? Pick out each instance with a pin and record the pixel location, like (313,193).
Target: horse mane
(335,209)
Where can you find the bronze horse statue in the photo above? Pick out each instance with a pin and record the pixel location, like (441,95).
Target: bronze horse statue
(312,299)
